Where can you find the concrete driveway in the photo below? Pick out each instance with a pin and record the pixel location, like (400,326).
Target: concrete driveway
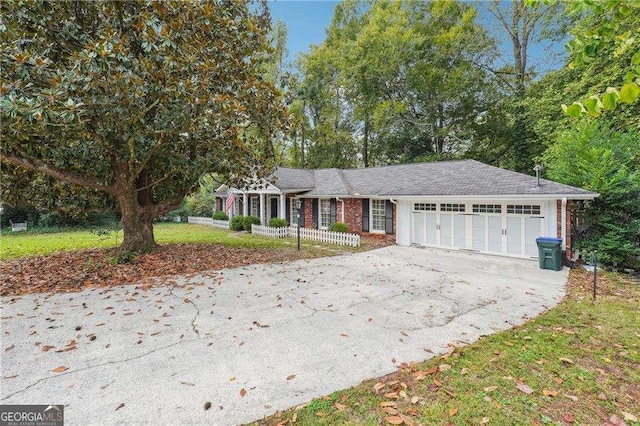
(256,339)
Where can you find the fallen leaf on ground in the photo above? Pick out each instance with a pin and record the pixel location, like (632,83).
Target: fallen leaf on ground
(415,399)
(378,386)
(484,420)
(394,420)
(566,360)
(547,392)
(11,377)
(524,388)
(568,417)
(340,407)
(119,407)
(452,412)
(243,392)
(291,377)
(344,334)
(629,417)
(490,388)
(207,405)
(9,348)
(60,369)
(464,371)
(571,397)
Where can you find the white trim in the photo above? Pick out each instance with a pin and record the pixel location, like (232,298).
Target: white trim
(319,218)
(563,223)
(384,226)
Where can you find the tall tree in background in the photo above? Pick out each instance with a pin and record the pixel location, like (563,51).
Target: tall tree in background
(524,24)
(136,99)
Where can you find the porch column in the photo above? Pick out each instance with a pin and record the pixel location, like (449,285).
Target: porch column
(563,222)
(262,216)
(245,204)
(283,206)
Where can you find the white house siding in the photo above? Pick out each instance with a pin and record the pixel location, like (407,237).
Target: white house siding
(484,232)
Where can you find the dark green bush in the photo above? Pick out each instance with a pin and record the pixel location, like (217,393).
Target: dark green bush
(277,222)
(247,221)
(339,227)
(220,216)
(237,223)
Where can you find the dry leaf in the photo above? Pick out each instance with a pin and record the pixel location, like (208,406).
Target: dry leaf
(566,360)
(484,420)
(404,333)
(524,388)
(340,407)
(558,380)
(547,392)
(444,367)
(629,417)
(9,348)
(232,378)
(390,410)
(571,397)
(243,392)
(452,412)
(344,334)
(394,420)
(291,377)
(378,386)
(496,404)
(60,369)
(388,404)
(11,377)
(568,417)
(391,395)
(207,405)
(490,388)
(464,371)
(415,399)
(119,406)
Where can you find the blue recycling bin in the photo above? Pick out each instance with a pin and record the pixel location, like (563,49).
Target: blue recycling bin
(550,253)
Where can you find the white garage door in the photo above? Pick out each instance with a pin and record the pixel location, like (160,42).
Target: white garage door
(493,228)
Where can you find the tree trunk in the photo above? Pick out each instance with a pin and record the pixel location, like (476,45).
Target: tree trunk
(365,143)
(137,225)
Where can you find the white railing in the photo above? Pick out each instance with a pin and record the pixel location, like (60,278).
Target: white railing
(224,224)
(17,227)
(320,235)
(200,220)
(267,231)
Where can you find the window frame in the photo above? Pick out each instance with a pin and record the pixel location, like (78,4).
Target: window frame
(380,219)
(524,209)
(254,201)
(324,213)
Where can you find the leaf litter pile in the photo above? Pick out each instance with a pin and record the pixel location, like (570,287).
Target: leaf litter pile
(80,269)
(579,363)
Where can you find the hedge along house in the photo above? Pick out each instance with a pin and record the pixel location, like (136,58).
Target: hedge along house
(464,205)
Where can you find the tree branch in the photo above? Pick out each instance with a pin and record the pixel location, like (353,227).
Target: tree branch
(64,175)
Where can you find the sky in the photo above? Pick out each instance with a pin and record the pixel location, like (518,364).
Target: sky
(306,21)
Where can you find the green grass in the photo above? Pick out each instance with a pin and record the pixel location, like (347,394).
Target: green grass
(582,360)
(33,243)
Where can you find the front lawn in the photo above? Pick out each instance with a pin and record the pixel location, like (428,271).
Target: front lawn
(19,244)
(577,364)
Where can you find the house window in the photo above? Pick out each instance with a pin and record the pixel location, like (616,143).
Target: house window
(254,206)
(325,213)
(487,208)
(378,215)
(452,207)
(293,212)
(523,209)
(424,207)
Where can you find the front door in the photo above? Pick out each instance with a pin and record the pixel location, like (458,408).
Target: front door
(273,208)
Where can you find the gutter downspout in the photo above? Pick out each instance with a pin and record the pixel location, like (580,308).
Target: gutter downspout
(341,202)
(563,224)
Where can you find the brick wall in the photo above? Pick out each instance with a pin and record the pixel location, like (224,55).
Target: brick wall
(352,214)
(568,224)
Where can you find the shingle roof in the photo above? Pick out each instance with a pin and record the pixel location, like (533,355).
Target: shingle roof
(464,177)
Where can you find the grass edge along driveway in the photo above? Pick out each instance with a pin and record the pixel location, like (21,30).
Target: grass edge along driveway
(579,363)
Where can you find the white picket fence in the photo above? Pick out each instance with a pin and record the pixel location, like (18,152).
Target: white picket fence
(320,235)
(224,224)
(200,220)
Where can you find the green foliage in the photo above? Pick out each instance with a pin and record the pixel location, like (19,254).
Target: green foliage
(94,95)
(594,157)
(247,221)
(339,227)
(237,223)
(219,215)
(277,222)
(608,31)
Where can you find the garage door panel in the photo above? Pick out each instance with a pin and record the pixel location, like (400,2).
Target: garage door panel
(479,232)
(459,231)
(532,230)
(446,230)
(514,235)
(432,229)
(418,228)
(494,225)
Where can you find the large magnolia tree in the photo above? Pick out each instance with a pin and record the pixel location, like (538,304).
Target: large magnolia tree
(136,99)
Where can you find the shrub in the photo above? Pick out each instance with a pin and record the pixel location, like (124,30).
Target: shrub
(340,227)
(236,223)
(247,221)
(220,216)
(277,222)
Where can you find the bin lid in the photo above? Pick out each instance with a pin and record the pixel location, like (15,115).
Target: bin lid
(549,240)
